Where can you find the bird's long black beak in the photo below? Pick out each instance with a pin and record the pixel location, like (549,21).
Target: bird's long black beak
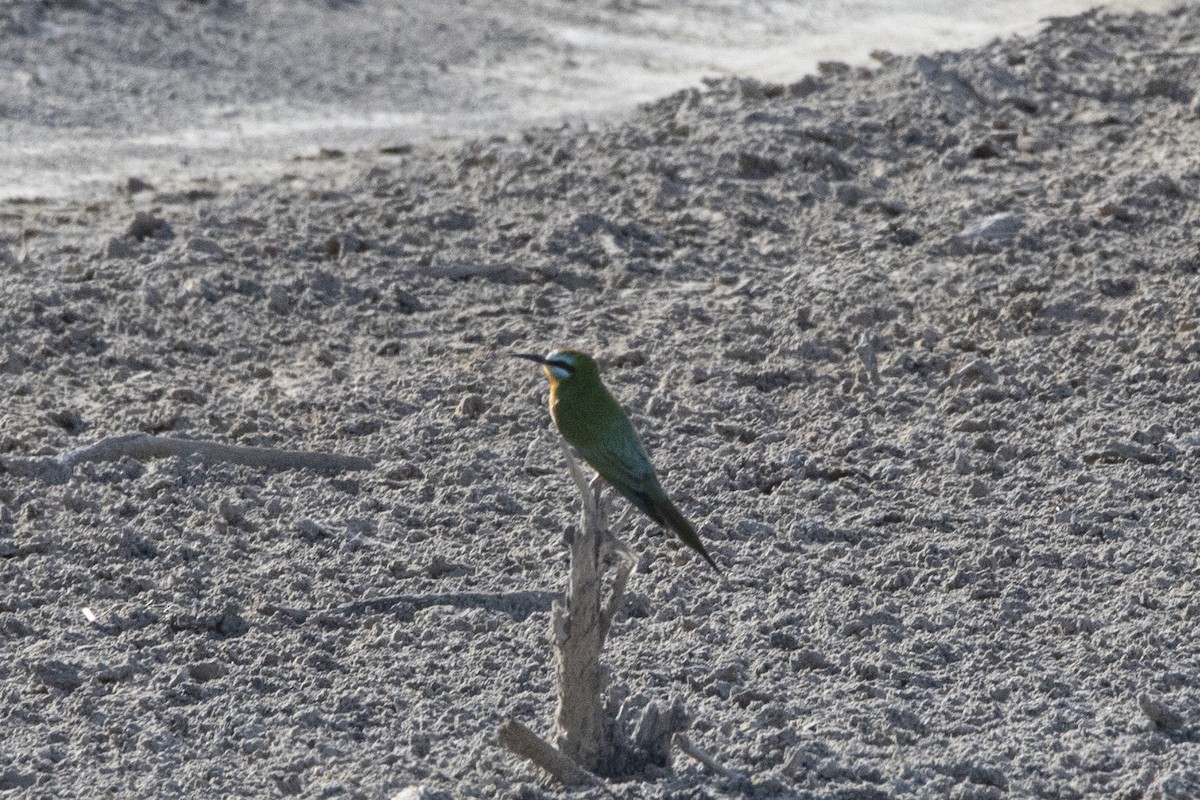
(530,357)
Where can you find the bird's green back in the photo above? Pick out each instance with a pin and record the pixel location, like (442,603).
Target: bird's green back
(597,427)
(594,423)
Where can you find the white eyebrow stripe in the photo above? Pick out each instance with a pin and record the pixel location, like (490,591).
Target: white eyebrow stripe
(562,361)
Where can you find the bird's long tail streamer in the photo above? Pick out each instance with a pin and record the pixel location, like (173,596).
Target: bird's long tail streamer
(669,517)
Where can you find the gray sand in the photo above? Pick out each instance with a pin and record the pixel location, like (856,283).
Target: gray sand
(92,91)
(974,577)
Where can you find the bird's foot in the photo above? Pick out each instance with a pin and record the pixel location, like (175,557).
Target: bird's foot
(597,484)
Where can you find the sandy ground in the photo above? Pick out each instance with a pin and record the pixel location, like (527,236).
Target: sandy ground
(225,91)
(972,576)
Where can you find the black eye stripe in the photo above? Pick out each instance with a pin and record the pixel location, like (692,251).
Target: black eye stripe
(563,365)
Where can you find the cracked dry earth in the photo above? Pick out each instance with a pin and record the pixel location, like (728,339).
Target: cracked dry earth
(915,346)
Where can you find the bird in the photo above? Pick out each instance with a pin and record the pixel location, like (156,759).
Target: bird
(598,428)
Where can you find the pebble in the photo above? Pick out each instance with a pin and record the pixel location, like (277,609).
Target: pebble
(205,671)
(279,301)
(135,185)
(453,220)
(470,406)
(58,675)
(416,792)
(978,371)
(145,225)
(231,512)
(1156,709)
(116,247)
(998,228)
(204,245)
(752,166)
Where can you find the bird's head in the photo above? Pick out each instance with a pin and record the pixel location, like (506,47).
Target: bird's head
(565,366)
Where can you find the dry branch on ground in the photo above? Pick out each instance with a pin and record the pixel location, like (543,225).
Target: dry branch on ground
(145,447)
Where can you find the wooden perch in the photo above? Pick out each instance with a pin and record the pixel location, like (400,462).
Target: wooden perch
(588,739)
(584,729)
(585,732)
(144,446)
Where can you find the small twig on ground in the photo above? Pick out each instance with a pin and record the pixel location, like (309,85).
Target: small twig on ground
(687,746)
(528,745)
(518,604)
(468,270)
(144,447)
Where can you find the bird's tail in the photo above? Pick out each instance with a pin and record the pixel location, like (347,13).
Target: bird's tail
(664,512)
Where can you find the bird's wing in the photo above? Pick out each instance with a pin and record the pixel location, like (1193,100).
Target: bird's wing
(623,462)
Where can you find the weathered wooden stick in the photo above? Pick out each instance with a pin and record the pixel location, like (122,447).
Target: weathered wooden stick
(528,745)
(518,604)
(620,581)
(584,730)
(144,446)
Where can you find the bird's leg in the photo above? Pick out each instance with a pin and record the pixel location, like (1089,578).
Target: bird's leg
(609,543)
(597,484)
(604,502)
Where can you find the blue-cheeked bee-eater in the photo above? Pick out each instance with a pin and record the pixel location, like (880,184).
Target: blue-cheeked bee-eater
(597,427)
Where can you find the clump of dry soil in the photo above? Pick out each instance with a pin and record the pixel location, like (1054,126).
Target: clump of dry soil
(973,576)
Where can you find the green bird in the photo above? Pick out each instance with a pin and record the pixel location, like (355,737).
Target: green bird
(596,426)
